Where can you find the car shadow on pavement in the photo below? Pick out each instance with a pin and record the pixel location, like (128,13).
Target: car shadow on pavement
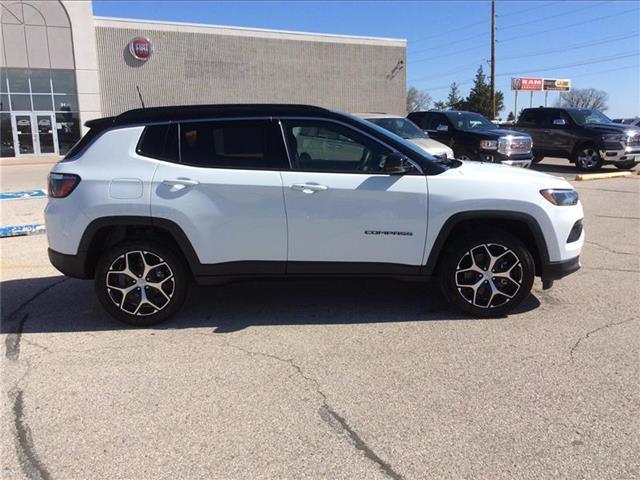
(60,304)
(570,169)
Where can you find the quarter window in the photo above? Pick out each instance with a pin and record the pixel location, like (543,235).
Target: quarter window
(327,147)
(159,141)
(231,144)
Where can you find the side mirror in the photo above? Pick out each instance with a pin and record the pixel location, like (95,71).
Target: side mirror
(442,128)
(560,122)
(396,164)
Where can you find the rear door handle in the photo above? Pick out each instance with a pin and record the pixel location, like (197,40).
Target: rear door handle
(309,187)
(180,182)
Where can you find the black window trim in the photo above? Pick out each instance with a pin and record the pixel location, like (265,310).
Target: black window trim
(270,137)
(280,119)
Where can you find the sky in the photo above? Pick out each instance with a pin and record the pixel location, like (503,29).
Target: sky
(594,43)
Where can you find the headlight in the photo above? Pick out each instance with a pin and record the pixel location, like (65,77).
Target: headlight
(614,138)
(488,144)
(560,197)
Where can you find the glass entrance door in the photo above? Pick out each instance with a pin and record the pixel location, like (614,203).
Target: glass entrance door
(46,133)
(34,133)
(23,134)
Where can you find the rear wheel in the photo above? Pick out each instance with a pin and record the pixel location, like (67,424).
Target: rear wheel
(587,158)
(487,274)
(141,283)
(538,158)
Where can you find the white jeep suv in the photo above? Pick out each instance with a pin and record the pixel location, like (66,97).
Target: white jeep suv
(153,198)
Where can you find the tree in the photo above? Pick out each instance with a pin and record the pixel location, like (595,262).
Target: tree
(454,100)
(511,117)
(417,100)
(479,99)
(584,98)
(440,105)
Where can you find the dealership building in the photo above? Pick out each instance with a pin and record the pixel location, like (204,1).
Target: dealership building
(61,66)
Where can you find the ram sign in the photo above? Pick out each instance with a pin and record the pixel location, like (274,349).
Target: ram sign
(527,84)
(539,84)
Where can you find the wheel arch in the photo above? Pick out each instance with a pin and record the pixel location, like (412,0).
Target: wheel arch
(522,225)
(104,232)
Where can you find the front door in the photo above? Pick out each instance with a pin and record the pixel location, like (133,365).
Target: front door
(34,133)
(342,207)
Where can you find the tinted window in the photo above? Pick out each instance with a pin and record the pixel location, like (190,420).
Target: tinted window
(236,144)
(327,147)
(528,118)
(437,121)
(420,119)
(159,141)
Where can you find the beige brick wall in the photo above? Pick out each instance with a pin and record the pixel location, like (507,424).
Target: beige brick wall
(195,65)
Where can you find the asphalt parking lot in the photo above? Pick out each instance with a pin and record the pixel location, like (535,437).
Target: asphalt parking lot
(352,379)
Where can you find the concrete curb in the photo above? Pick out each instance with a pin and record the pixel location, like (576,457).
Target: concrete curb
(600,176)
(17,161)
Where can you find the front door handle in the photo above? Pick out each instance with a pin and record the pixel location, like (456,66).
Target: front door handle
(309,187)
(180,182)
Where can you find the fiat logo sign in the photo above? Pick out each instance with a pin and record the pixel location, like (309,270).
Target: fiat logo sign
(141,48)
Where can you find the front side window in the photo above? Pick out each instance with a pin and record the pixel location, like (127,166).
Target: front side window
(321,146)
(587,116)
(231,144)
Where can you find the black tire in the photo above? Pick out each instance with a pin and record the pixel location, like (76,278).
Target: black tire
(538,158)
(628,165)
(466,156)
(587,158)
(167,287)
(456,273)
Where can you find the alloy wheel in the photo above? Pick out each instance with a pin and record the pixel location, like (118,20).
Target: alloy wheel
(588,158)
(489,275)
(140,283)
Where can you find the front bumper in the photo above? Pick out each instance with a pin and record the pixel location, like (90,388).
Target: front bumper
(557,270)
(521,160)
(622,155)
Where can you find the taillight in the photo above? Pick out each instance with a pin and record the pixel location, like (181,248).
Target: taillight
(62,184)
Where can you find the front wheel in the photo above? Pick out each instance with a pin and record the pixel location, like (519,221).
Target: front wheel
(538,158)
(588,158)
(141,283)
(628,165)
(487,274)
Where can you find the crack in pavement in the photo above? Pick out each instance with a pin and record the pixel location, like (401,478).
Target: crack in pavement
(608,249)
(12,341)
(329,415)
(588,334)
(31,465)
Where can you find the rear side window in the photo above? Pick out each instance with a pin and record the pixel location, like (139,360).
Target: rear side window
(232,144)
(159,141)
(420,119)
(529,118)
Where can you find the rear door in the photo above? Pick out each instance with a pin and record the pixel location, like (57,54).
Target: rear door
(531,122)
(342,207)
(225,192)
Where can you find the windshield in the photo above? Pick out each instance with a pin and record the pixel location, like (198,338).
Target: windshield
(469,121)
(400,126)
(586,116)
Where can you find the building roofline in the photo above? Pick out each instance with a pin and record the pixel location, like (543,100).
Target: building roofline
(165,25)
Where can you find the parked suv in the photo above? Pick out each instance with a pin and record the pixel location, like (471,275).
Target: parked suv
(408,130)
(153,198)
(584,136)
(473,137)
